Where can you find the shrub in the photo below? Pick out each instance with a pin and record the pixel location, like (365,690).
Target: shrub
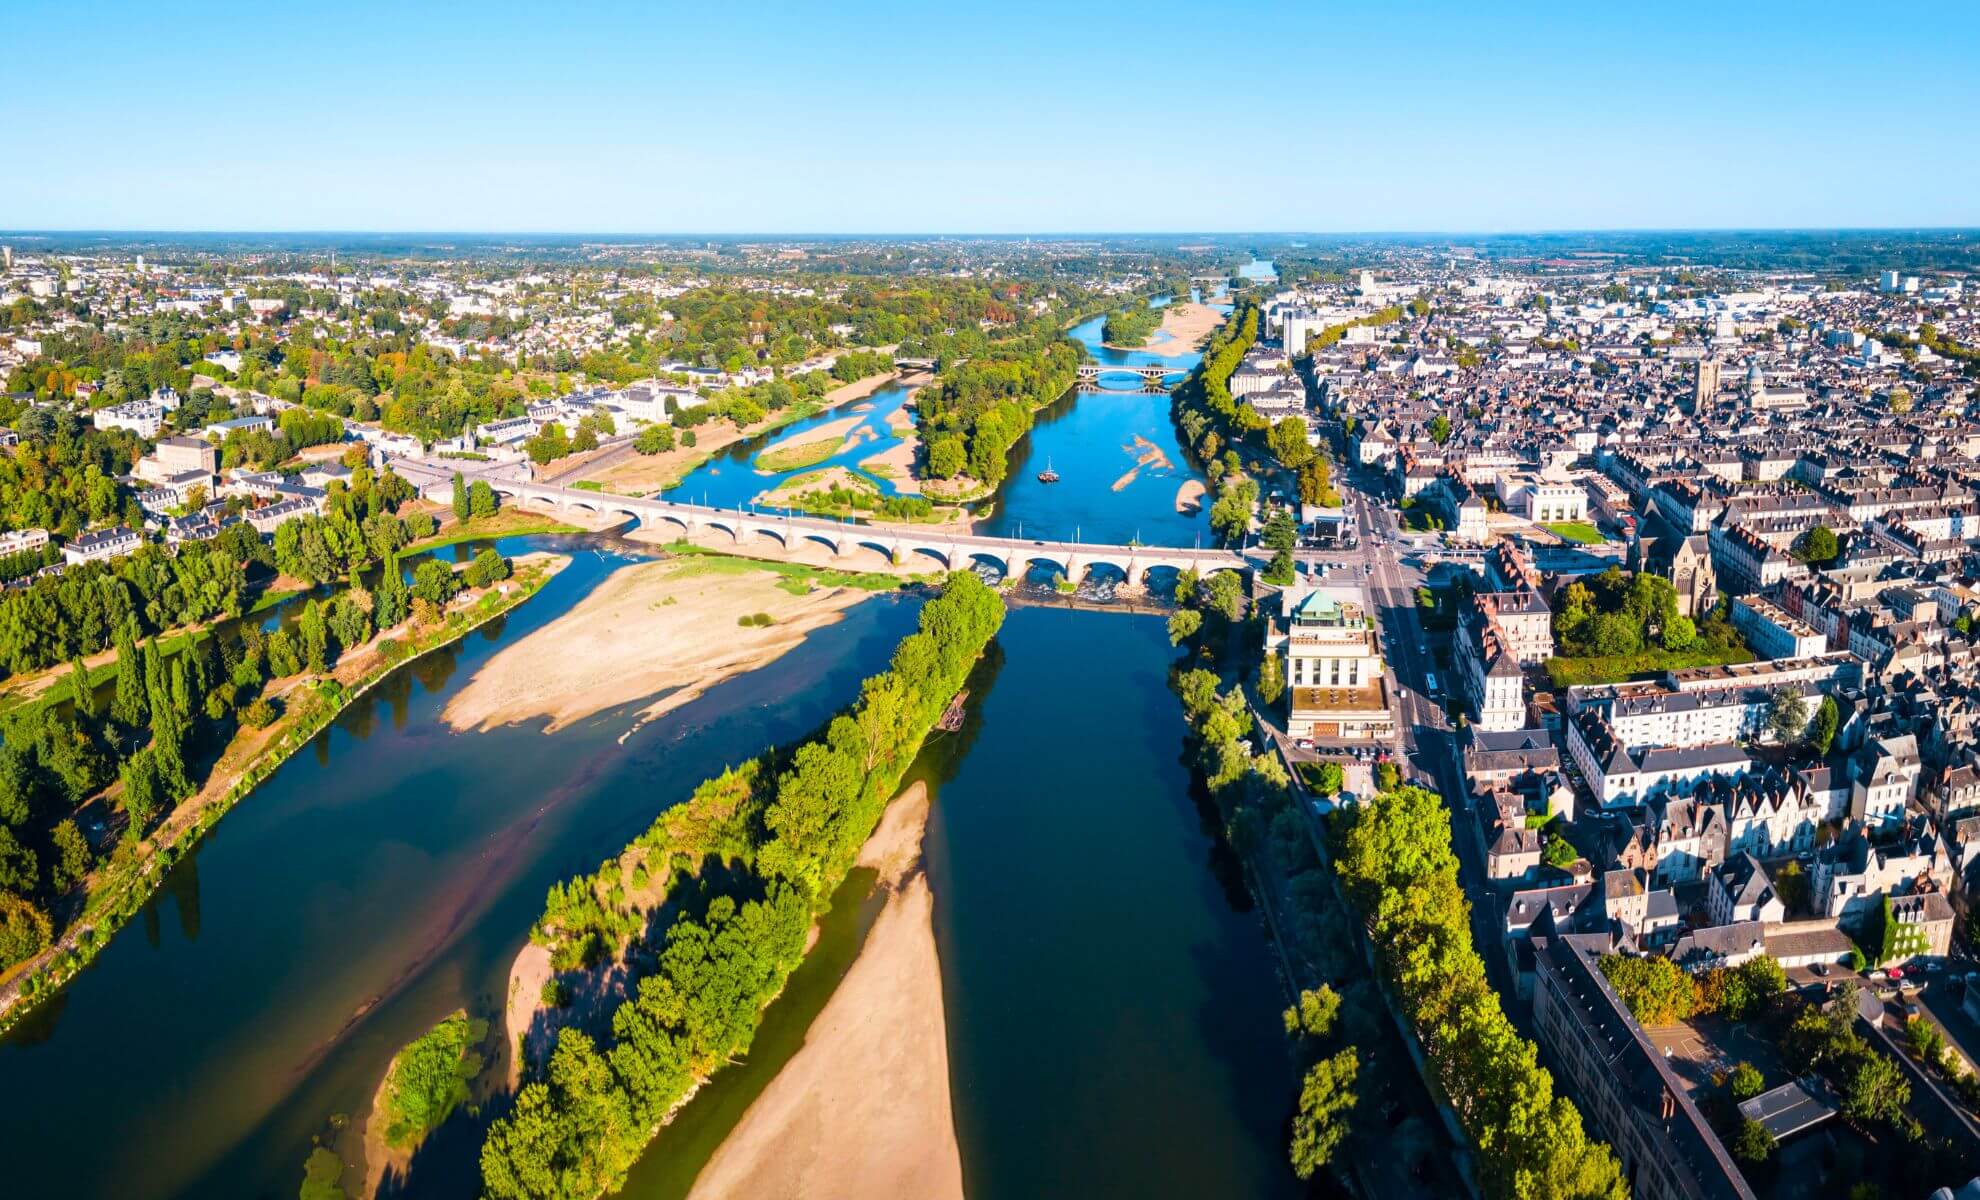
(258,715)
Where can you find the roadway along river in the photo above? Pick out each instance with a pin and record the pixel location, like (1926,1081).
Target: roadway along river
(1112,1008)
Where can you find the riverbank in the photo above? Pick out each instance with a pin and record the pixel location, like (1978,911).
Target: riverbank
(863,1109)
(1185,326)
(663,629)
(505,522)
(645,474)
(118,892)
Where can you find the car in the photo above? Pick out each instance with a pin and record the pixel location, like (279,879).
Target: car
(1820,969)
(1897,973)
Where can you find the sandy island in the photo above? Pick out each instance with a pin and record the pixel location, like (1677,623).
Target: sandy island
(896,465)
(1185,325)
(1189,497)
(863,1108)
(647,629)
(833,432)
(1146,454)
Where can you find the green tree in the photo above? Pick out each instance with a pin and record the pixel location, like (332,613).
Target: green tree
(1315,1013)
(1326,1096)
(1818,546)
(1874,1089)
(80,691)
(1271,679)
(429,1078)
(140,775)
(1657,990)
(481,500)
(1331,779)
(654,439)
(1558,852)
(460,498)
(1746,1082)
(128,707)
(1289,444)
(24,930)
(73,860)
(946,459)
(1822,735)
(313,633)
(1754,1145)
(1440,429)
(1787,714)
(1183,625)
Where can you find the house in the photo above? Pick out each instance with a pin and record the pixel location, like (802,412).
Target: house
(1741,891)
(20,541)
(1887,772)
(101,545)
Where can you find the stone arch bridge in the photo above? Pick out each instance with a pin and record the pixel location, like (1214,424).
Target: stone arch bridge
(900,546)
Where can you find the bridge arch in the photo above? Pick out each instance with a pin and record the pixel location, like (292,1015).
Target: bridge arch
(821,538)
(939,554)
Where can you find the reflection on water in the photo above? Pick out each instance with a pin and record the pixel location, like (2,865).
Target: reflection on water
(362,892)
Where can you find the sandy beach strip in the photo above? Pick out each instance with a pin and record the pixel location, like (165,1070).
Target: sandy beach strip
(1189,497)
(863,1109)
(650,628)
(896,465)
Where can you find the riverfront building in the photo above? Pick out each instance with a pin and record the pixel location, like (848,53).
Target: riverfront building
(1334,680)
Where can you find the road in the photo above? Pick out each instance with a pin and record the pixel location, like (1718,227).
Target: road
(1428,742)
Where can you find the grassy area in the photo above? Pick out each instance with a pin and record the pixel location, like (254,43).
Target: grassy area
(798,578)
(1576,531)
(509,522)
(589,485)
(1573,672)
(795,457)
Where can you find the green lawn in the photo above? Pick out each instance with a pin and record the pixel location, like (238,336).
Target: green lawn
(1576,531)
(799,577)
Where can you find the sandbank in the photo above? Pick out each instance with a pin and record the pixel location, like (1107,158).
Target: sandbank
(1185,324)
(1189,497)
(650,628)
(863,1108)
(896,464)
(833,432)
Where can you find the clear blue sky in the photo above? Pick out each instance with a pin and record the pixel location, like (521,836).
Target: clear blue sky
(1012,117)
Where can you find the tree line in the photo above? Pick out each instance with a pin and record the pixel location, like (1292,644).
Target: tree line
(171,709)
(1393,856)
(790,825)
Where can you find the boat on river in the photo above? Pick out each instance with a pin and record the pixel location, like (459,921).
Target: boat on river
(1048,475)
(952,716)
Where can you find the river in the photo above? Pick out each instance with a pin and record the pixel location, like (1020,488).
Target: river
(1112,1002)
(1095,441)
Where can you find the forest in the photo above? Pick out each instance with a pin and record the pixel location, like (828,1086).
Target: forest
(745,863)
(976,410)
